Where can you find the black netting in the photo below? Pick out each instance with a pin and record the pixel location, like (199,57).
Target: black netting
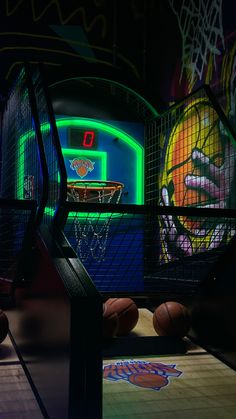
(190,162)
(49,144)
(125,95)
(15,234)
(190,155)
(21,175)
(126,252)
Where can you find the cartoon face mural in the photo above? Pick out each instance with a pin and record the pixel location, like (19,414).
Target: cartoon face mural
(198,169)
(199,154)
(195,137)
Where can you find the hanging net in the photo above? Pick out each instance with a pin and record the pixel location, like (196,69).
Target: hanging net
(92,229)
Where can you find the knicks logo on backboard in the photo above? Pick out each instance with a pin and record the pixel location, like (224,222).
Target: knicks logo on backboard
(152,375)
(82,166)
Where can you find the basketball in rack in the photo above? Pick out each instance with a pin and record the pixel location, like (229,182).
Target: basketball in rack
(92,229)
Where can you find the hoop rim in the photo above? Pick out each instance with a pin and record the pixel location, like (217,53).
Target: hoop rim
(89,184)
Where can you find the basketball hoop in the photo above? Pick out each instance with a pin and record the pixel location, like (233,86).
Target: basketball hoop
(94,191)
(91,231)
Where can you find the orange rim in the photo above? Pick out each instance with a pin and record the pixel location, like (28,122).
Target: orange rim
(94,185)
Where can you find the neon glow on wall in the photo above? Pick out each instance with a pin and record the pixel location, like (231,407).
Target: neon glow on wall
(130,141)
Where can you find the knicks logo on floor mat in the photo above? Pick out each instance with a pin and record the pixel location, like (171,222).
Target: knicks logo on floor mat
(153,375)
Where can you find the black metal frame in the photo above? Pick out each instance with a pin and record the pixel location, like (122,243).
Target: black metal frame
(61,162)
(84,345)
(42,159)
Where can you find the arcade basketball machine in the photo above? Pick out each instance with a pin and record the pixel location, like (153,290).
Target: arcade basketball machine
(184,165)
(172,246)
(134,208)
(156,227)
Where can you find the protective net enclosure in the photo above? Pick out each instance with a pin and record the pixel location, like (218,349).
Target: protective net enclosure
(16,221)
(122,251)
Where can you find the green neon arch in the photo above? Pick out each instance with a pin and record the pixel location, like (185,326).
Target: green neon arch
(96,124)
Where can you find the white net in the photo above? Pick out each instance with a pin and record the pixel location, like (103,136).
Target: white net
(91,237)
(92,229)
(200,24)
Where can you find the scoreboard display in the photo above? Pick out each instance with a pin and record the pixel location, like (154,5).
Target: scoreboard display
(82,138)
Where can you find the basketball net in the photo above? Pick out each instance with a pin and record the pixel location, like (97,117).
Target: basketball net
(91,230)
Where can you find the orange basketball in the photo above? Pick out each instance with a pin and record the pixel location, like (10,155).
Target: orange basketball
(127,312)
(148,380)
(110,321)
(4,326)
(171,319)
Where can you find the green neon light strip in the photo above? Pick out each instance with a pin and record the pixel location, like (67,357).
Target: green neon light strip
(105,127)
(94,215)
(21,164)
(84,215)
(97,154)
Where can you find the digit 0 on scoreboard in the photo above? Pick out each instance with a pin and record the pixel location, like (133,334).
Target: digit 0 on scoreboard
(88,139)
(82,138)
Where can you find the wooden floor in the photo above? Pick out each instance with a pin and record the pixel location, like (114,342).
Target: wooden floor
(17,400)
(204,388)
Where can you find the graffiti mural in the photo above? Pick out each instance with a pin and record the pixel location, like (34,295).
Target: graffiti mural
(200,25)
(199,153)
(198,169)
